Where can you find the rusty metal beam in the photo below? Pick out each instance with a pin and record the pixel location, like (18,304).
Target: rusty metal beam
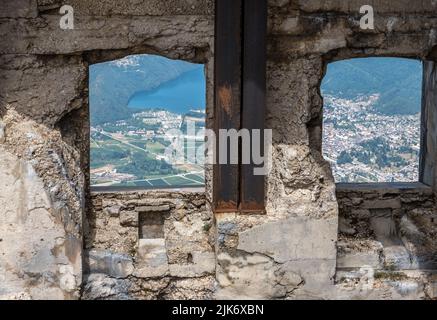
(252,187)
(228,20)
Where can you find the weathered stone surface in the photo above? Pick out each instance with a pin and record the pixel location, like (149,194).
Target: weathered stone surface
(318,278)
(143,8)
(380,6)
(129,218)
(31,97)
(183,35)
(403,233)
(151,261)
(190,289)
(345,227)
(34,245)
(18,9)
(432,289)
(397,257)
(357,254)
(2,132)
(159,264)
(102,287)
(113,211)
(254,277)
(292,239)
(203,263)
(110,263)
(386,286)
(382,204)
(144,209)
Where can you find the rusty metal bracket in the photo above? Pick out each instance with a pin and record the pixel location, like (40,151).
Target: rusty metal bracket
(239,90)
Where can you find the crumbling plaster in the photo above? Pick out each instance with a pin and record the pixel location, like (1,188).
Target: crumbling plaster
(290,252)
(45,121)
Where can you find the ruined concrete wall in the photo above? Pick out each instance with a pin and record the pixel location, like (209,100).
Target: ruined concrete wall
(391,232)
(42,193)
(149,245)
(294,243)
(44,140)
(290,252)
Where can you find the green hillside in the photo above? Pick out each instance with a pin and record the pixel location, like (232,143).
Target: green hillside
(398,81)
(111,84)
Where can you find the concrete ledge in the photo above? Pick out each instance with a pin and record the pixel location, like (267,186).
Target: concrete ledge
(385,187)
(182,189)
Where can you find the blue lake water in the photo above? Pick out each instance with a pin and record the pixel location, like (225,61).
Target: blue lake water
(186,92)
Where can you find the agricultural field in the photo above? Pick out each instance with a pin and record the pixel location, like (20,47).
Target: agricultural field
(126,159)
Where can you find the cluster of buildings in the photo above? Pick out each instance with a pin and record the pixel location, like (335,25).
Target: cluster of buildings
(349,124)
(166,119)
(134,133)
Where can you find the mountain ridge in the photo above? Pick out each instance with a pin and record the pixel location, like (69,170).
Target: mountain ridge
(112,84)
(399,94)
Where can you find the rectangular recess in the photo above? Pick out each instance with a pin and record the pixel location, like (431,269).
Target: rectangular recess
(227,95)
(252,187)
(151,225)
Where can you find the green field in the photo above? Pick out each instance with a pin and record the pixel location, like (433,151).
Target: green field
(131,156)
(123,158)
(180,181)
(196,177)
